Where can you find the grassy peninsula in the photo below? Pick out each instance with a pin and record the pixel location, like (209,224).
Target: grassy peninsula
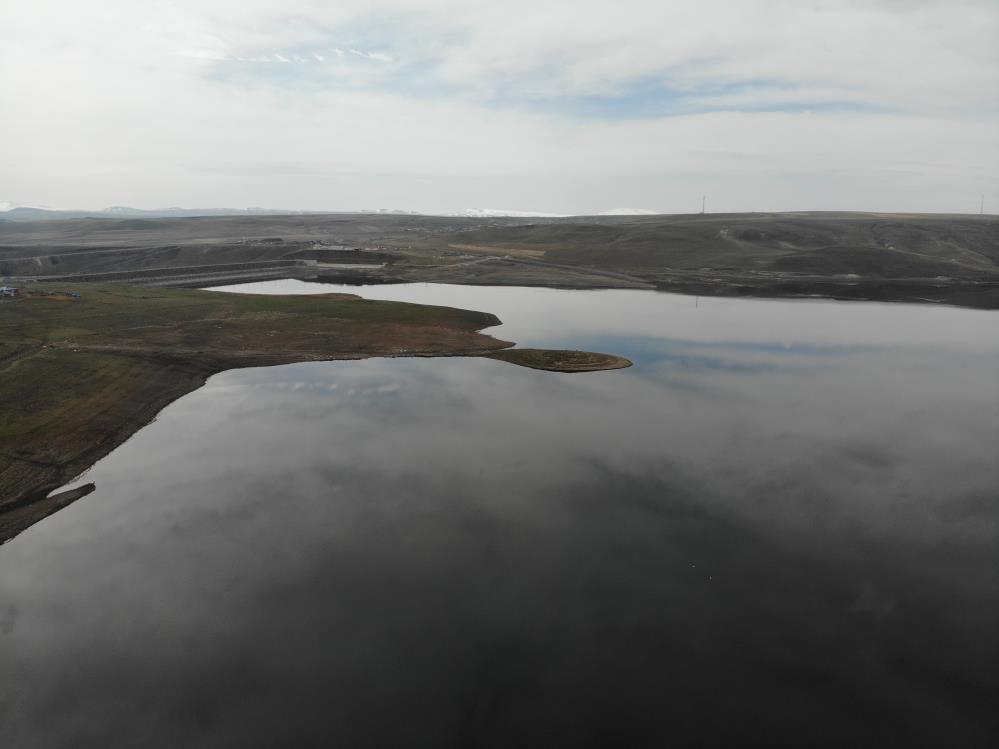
(82,367)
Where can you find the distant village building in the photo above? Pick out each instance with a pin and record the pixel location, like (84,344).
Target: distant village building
(8,291)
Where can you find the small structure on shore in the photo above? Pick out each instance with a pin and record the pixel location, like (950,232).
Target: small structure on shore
(9,291)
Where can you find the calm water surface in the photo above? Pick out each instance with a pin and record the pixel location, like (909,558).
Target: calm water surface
(779,528)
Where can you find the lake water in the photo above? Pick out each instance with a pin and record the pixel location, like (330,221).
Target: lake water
(779,528)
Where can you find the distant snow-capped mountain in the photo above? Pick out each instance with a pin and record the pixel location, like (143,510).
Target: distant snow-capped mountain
(7,207)
(123,210)
(629,212)
(500,213)
(17,212)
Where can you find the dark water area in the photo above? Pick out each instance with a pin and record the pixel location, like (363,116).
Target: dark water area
(779,528)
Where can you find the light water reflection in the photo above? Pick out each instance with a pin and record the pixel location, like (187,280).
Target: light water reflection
(780,527)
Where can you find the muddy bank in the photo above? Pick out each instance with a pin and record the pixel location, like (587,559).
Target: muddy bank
(983,295)
(37,508)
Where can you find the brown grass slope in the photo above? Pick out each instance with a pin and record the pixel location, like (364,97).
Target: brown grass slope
(888,245)
(864,244)
(905,257)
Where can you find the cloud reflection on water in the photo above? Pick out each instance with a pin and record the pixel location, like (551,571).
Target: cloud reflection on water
(731,539)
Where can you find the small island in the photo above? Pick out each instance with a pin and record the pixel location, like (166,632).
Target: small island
(554,360)
(84,366)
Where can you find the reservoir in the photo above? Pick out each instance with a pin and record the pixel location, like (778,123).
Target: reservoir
(780,527)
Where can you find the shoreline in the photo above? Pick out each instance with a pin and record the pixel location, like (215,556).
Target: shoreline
(982,295)
(79,399)
(912,258)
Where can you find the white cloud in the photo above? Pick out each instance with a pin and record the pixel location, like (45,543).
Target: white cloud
(155,103)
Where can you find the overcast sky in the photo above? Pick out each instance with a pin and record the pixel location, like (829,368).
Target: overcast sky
(566,106)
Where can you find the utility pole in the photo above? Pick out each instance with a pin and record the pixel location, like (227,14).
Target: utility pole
(981,207)
(703,200)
